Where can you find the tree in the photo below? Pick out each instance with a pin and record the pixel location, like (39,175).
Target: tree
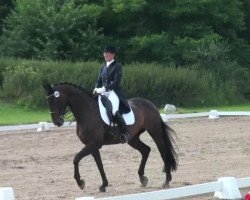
(242,46)
(143,30)
(47,30)
(5,9)
(135,25)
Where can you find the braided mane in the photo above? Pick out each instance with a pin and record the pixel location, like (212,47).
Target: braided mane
(76,86)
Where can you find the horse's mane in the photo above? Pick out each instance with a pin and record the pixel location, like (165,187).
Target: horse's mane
(76,86)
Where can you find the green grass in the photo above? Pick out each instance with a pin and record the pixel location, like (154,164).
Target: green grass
(13,114)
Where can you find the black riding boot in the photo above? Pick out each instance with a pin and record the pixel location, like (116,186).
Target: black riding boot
(123,127)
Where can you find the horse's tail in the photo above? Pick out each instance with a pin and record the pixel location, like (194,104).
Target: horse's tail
(171,154)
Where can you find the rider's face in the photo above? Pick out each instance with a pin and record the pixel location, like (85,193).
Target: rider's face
(108,56)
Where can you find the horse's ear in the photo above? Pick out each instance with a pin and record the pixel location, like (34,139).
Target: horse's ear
(47,86)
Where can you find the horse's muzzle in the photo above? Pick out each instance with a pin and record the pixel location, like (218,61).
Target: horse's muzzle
(57,119)
(58,123)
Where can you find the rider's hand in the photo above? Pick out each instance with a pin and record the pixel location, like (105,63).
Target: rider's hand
(95,90)
(100,90)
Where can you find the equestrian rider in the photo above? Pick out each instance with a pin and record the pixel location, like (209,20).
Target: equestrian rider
(108,84)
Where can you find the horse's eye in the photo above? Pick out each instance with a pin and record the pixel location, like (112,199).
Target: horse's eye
(56,94)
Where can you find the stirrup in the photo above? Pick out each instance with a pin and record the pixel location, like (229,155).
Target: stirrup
(123,139)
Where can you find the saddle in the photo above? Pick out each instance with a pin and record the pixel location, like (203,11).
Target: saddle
(105,108)
(108,106)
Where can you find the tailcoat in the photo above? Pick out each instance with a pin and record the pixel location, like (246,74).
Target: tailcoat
(110,78)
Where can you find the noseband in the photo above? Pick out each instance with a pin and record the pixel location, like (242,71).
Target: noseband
(57,113)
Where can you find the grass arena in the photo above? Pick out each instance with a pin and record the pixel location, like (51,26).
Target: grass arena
(39,166)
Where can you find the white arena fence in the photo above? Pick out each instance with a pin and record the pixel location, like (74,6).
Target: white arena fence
(41,126)
(213,114)
(223,188)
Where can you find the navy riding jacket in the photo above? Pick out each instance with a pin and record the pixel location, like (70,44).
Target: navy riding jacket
(110,78)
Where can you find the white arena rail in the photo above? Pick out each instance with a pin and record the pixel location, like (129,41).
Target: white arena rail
(41,126)
(7,193)
(224,188)
(213,114)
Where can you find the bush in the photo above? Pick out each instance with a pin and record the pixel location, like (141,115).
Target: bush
(178,86)
(55,31)
(160,84)
(23,82)
(20,83)
(152,47)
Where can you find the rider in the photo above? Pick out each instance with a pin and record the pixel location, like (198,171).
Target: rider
(108,84)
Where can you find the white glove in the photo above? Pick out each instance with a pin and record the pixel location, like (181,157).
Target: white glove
(100,90)
(95,90)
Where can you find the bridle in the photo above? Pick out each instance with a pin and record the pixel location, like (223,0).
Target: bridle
(63,116)
(56,94)
(57,113)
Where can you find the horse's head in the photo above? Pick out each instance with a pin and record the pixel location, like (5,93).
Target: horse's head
(57,103)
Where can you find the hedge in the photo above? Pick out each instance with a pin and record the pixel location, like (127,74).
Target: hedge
(21,81)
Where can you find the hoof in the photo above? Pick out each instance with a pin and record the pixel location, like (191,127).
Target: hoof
(123,139)
(164,170)
(102,189)
(165,185)
(144,181)
(81,184)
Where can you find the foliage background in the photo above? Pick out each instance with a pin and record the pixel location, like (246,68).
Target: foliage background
(188,52)
(22,82)
(143,30)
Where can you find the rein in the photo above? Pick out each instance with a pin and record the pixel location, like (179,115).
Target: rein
(62,116)
(67,113)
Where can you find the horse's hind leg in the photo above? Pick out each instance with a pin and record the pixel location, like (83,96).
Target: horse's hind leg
(137,144)
(160,145)
(165,148)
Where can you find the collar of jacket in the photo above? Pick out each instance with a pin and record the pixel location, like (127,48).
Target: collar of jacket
(109,63)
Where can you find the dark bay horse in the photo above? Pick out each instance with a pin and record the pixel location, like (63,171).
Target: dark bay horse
(93,132)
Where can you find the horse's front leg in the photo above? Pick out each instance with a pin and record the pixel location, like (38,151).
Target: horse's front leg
(98,160)
(84,152)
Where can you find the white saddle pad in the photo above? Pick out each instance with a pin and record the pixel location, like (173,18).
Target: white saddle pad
(129,118)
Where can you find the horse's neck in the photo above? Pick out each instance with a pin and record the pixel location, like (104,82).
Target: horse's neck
(81,105)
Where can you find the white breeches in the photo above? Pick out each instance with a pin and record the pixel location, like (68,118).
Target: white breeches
(114,100)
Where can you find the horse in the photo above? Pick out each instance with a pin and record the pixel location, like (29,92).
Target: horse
(94,133)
